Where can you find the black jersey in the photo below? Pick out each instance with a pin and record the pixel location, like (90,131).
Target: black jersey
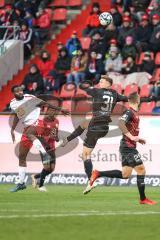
(104,101)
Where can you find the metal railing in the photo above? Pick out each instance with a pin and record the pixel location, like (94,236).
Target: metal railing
(7,36)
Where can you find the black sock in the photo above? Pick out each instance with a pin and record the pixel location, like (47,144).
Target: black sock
(77,132)
(141,186)
(44,173)
(37,176)
(88,167)
(111,174)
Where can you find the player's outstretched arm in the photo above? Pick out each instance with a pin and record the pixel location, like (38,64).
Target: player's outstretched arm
(14,125)
(122,98)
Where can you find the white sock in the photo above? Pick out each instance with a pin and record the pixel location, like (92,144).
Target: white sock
(22,174)
(39,146)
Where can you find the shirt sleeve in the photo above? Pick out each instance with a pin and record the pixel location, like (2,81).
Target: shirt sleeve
(127,116)
(122,98)
(91,91)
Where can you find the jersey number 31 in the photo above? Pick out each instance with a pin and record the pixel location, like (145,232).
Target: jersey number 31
(108,100)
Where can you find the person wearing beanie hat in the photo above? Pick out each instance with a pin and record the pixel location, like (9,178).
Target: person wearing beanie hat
(143,33)
(129,48)
(73,44)
(155,37)
(117,17)
(114,61)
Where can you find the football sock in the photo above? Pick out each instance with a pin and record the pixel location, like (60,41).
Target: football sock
(77,132)
(44,173)
(37,176)
(38,146)
(141,186)
(111,174)
(88,167)
(22,174)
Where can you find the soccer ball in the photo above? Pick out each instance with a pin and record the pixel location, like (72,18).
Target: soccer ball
(105,18)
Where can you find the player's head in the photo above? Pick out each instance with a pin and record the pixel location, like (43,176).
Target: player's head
(17,91)
(134,98)
(51,112)
(105,82)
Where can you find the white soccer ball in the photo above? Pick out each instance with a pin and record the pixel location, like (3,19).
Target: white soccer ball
(105,18)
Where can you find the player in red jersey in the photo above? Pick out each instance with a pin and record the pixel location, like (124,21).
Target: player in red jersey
(46,132)
(131,159)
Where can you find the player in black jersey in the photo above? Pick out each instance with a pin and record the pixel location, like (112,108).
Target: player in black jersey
(131,159)
(104,101)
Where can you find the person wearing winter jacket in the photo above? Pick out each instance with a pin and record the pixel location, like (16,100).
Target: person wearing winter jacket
(73,44)
(92,22)
(33,81)
(114,61)
(45,64)
(25,34)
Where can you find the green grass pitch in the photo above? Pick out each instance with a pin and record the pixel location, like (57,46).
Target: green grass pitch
(64,213)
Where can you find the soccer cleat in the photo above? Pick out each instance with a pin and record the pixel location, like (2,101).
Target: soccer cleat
(147,201)
(64,142)
(18,187)
(34,181)
(94,176)
(89,188)
(42,189)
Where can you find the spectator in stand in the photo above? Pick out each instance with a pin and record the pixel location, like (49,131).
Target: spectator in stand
(155,37)
(45,65)
(73,44)
(129,48)
(92,22)
(148,64)
(25,34)
(140,5)
(94,68)
(125,30)
(155,8)
(78,67)
(60,46)
(114,61)
(29,18)
(61,68)
(143,33)
(33,81)
(98,45)
(109,33)
(117,17)
(129,66)
(155,90)
(25,5)
(42,26)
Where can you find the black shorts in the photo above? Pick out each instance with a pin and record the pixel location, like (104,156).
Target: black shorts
(130,157)
(95,131)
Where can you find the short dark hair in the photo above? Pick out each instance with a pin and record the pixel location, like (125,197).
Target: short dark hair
(133,97)
(108,79)
(13,87)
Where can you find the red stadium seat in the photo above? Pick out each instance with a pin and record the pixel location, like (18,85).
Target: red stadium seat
(147,107)
(117,87)
(59,15)
(145,90)
(68,104)
(74,3)
(142,57)
(157,59)
(58,3)
(67,91)
(85,42)
(2,3)
(83,106)
(130,89)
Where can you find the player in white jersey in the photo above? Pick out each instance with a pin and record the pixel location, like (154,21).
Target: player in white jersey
(27,110)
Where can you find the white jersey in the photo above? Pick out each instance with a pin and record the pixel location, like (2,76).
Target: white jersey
(26,109)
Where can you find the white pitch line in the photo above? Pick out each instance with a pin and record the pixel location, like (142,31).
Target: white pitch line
(80,214)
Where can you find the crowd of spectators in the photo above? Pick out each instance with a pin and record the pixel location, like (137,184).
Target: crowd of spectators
(115,50)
